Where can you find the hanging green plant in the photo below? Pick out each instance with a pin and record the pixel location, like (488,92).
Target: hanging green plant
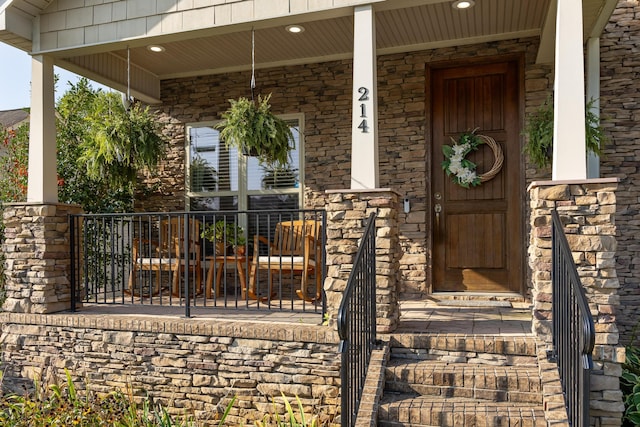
(539,129)
(253,129)
(122,142)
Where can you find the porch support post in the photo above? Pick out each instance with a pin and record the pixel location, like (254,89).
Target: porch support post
(364,119)
(42,180)
(569,148)
(593,93)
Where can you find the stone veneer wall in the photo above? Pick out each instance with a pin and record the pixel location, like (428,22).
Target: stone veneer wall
(189,366)
(587,209)
(322,92)
(37,248)
(619,100)
(346,214)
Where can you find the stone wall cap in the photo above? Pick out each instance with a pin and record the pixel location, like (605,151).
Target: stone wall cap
(219,326)
(40,204)
(535,184)
(362,190)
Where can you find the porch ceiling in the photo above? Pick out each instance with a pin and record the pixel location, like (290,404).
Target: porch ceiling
(402,26)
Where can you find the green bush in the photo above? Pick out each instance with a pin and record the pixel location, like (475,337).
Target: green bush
(630,384)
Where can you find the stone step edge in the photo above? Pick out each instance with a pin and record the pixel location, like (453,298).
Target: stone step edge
(463,358)
(420,370)
(524,345)
(421,411)
(477,393)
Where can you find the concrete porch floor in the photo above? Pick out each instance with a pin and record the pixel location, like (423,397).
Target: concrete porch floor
(427,316)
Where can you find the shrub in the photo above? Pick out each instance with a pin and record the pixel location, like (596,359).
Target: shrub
(630,383)
(57,405)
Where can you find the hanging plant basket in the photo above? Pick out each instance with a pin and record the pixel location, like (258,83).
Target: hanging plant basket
(539,132)
(254,130)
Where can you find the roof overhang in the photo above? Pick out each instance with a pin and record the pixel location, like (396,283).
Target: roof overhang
(401,26)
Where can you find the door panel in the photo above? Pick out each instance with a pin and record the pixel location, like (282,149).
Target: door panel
(477,233)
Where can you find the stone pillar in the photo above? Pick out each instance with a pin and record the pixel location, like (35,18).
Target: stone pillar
(347,211)
(588,209)
(37,250)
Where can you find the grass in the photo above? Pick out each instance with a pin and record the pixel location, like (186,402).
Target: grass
(63,405)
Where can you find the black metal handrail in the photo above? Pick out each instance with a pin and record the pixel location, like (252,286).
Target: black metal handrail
(573,328)
(161,258)
(357,324)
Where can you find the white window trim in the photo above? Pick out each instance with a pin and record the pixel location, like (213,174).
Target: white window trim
(243,193)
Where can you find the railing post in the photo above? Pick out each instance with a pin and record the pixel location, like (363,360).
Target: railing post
(72,270)
(186,258)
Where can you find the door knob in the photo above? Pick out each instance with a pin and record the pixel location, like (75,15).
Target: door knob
(437,208)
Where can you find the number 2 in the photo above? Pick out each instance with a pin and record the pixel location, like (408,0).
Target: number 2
(364,94)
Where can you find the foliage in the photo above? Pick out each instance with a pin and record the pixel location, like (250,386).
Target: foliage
(64,405)
(13,178)
(14,154)
(290,419)
(93,126)
(462,170)
(279,178)
(121,143)
(630,386)
(253,129)
(539,129)
(224,232)
(57,405)
(204,177)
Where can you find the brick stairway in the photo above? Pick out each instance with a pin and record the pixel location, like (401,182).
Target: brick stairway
(454,379)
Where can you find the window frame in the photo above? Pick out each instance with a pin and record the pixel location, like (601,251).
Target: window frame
(243,194)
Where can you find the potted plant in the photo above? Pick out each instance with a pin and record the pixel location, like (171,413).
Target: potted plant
(539,129)
(225,234)
(253,129)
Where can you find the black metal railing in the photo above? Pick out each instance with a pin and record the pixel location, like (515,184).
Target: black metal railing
(195,259)
(573,328)
(357,324)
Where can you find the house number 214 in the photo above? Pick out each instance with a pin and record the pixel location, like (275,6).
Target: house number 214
(364,96)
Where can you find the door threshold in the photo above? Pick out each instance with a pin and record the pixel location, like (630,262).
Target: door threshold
(477,299)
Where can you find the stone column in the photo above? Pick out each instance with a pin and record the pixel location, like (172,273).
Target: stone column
(347,211)
(37,250)
(587,208)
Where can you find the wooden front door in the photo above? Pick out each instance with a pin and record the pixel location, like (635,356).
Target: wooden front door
(477,232)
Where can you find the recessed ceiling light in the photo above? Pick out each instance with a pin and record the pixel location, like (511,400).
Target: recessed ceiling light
(156,48)
(463,4)
(295,29)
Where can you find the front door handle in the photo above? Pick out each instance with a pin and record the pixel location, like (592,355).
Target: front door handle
(437,209)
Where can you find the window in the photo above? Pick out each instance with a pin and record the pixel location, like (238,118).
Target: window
(219,179)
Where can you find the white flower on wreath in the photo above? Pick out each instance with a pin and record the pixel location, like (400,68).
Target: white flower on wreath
(463,171)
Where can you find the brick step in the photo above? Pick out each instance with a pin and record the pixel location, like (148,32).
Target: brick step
(500,384)
(496,350)
(410,410)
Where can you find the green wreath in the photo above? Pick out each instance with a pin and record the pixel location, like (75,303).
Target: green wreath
(462,170)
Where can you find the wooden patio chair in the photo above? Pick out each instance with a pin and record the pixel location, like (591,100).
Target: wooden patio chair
(167,254)
(295,248)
